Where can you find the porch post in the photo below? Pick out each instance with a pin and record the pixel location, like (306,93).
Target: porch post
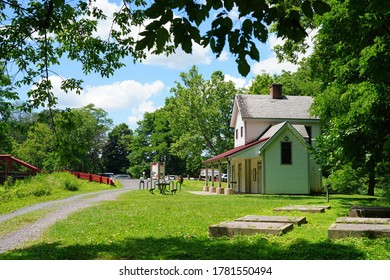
(206,187)
(212,188)
(219,190)
(229,189)
(220,174)
(207,176)
(212,175)
(229,174)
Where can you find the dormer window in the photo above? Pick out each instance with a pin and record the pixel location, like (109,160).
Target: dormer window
(286,152)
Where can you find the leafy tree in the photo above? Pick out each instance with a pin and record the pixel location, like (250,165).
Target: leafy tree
(73,139)
(35,151)
(355,70)
(301,83)
(240,33)
(200,113)
(261,83)
(151,143)
(35,35)
(81,136)
(117,149)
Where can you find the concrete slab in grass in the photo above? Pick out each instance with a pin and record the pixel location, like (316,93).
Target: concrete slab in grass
(304,208)
(339,230)
(248,228)
(274,219)
(353,220)
(369,212)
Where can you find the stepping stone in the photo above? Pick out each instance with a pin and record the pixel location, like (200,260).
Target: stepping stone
(274,219)
(369,212)
(248,228)
(339,230)
(353,220)
(303,208)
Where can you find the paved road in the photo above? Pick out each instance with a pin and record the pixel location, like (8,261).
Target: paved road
(60,210)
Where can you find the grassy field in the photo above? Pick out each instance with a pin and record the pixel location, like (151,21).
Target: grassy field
(42,188)
(158,227)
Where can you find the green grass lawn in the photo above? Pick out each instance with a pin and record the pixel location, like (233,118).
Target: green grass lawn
(42,188)
(144,226)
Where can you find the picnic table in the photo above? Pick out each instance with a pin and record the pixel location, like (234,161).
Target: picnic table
(161,187)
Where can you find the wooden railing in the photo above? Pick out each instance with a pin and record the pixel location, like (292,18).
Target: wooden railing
(93,177)
(7,165)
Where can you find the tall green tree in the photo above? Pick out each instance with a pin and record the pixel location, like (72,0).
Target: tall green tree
(117,149)
(352,60)
(302,82)
(71,138)
(151,143)
(39,148)
(200,113)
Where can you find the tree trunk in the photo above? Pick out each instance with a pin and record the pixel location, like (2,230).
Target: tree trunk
(371,182)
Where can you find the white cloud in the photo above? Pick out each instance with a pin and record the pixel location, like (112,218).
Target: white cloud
(128,97)
(180,59)
(271,65)
(138,112)
(238,82)
(224,56)
(104,26)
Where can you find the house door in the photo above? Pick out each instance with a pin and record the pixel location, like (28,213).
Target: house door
(260,177)
(239,182)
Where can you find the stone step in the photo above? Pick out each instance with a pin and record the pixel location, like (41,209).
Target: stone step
(369,212)
(303,208)
(339,230)
(353,220)
(248,228)
(274,219)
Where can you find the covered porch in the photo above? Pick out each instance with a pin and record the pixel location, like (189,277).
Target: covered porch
(244,168)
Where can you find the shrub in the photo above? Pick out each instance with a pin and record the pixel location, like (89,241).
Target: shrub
(39,190)
(347,180)
(70,185)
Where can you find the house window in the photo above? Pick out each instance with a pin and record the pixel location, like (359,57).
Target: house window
(286,151)
(242,131)
(237,133)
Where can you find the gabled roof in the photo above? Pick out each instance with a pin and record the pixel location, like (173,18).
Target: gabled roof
(253,106)
(298,130)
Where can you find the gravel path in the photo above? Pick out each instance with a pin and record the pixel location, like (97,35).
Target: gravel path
(61,209)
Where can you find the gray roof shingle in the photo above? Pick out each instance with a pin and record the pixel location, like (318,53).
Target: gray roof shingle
(264,107)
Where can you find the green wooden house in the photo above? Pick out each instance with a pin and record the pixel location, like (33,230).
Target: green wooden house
(271,155)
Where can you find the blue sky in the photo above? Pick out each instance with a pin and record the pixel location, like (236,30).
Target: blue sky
(143,87)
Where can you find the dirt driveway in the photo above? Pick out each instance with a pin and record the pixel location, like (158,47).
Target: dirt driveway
(60,209)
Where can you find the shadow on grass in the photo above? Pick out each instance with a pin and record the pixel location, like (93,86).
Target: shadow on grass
(191,249)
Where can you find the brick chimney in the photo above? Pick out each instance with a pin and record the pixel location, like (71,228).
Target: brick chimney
(276,91)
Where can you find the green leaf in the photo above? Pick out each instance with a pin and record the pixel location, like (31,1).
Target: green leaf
(321,7)
(254,53)
(186,44)
(154,11)
(243,66)
(161,38)
(141,44)
(247,26)
(307,9)
(228,5)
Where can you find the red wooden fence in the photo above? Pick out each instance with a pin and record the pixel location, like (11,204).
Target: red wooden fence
(8,162)
(93,177)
